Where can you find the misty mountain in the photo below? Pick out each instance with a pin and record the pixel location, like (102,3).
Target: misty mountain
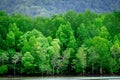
(50,7)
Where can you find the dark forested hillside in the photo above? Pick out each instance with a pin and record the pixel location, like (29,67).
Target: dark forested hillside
(50,7)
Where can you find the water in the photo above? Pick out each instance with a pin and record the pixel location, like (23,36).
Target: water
(62,78)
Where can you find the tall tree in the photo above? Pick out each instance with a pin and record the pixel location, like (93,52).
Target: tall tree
(115,53)
(79,64)
(16,58)
(101,47)
(55,57)
(13,36)
(3,60)
(66,36)
(28,63)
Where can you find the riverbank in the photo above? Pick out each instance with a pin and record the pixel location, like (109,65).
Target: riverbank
(62,78)
(86,75)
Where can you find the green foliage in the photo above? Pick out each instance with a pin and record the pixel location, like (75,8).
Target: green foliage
(2,43)
(4,24)
(79,64)
(104,33)
(3,69)
(64,61)
(73,43)
(99,47)
(13,27)
(66,36)
(3,57)
(13,35)
(55,55)
(27,61)
(74,20)
(10,39)
(112,23)
(115,52)
(56,22)
(86,31)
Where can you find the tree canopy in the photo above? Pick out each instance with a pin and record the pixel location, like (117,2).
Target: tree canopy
(65,44)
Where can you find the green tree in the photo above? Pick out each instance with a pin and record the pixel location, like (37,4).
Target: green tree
(26,47)
(13,36)
(3,61)
(24,23)
(42,55)
(15,59)
(86,31)
(115,53)
(56,22)
(64,61)
(37,44)
(4,24)
(79,64)
(3,57)
(62,44)
(112,23)
(73,18)
(28,63)
(2,43)
(25,42)
(42,58)
(10,39)
(104,33)
(101,48)
(13,27)
(3,69)
(92,59)
(67,42)
(66,36)
(55,57)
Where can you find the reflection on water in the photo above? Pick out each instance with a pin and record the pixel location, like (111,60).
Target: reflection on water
(62,78)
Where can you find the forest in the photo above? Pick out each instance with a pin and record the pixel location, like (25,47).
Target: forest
(50,7)
(74,43)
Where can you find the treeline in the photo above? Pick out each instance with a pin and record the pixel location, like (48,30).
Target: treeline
(64,44)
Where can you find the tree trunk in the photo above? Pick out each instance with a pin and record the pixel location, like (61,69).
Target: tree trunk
(100,70)
(53,70)
(14,69)
(92,68)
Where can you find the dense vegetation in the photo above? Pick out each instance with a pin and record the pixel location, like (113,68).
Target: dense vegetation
(50,7)
(73,43)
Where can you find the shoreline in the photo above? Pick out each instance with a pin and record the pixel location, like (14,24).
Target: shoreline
(16,76)
(64,78)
